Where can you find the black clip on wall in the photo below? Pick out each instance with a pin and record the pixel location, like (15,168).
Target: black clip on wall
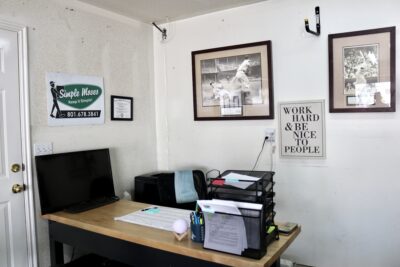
(318,23)
(163,31)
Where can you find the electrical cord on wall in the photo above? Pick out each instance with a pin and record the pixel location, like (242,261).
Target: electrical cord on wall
(259,154)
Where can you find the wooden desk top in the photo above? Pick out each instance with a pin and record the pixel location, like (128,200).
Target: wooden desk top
(101,221)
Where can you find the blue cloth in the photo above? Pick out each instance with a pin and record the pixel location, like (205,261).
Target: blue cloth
(184,187)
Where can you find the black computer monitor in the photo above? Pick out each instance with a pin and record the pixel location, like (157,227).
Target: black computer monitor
(67,179)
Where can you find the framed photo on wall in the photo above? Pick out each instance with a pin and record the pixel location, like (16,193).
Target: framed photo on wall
(362,71)
(233,82)
(121,108)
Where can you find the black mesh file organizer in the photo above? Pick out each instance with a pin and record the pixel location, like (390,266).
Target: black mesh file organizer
(255,229)
(261,192)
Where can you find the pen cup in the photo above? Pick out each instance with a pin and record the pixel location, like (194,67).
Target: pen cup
(197,232)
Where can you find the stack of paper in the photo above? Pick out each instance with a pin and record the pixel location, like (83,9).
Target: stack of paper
(156,217)
(225,225)
(239,180)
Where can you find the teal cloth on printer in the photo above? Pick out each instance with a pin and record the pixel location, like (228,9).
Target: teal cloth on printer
(184,187)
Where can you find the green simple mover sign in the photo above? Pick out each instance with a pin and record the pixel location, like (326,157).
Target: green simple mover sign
(74,99)
(78,96)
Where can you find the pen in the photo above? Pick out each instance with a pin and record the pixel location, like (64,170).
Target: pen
(150,208)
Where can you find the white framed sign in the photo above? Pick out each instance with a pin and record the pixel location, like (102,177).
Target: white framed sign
(74,99)
(302,129)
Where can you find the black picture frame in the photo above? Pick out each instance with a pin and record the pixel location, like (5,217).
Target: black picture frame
(121,108)
(224,90)
(362,71)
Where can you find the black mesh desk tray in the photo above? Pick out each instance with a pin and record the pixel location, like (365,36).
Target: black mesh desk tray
(255,231)
(256,192)
(261,192)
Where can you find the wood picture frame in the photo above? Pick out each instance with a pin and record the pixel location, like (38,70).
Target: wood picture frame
(362,71)
(121,108)
(233,82)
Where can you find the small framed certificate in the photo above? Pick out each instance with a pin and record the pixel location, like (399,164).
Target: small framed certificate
(121,108)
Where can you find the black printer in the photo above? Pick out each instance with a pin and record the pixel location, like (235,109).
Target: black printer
(159,189)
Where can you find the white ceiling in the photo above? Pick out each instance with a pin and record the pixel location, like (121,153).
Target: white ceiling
(165,10)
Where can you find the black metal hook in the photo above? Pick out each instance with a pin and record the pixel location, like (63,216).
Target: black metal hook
(318,23)
(163,31)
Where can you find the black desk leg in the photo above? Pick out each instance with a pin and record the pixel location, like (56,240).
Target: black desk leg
(277,263)
(56,251)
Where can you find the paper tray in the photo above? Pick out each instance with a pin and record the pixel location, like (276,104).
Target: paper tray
(254,193)
(254,223)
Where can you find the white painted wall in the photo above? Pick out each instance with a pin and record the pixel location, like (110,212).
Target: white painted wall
(66,36)
(346,204)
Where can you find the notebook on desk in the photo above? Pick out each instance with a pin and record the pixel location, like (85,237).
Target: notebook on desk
(286,227)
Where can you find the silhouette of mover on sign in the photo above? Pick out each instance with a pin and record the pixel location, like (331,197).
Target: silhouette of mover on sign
(55,92)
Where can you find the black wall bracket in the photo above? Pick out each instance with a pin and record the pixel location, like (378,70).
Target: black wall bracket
(318,23)
(163,31)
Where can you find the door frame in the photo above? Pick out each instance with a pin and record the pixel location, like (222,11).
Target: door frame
(23,76)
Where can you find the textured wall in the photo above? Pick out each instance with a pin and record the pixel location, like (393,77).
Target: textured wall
(346,203)
(67,37)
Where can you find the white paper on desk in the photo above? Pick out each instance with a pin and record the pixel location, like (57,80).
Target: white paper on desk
(239,180)
(240,205)
(163,219)
(237,176)
(225,233)
(250,219)
(223,206)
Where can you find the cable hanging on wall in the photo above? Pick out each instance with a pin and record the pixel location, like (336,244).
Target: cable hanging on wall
(318,23)
(163,31)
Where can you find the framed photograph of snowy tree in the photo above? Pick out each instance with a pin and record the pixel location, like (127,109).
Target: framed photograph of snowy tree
(233,82)
(362,71)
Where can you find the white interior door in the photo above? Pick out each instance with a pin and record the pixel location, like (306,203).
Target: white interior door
(13,230)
